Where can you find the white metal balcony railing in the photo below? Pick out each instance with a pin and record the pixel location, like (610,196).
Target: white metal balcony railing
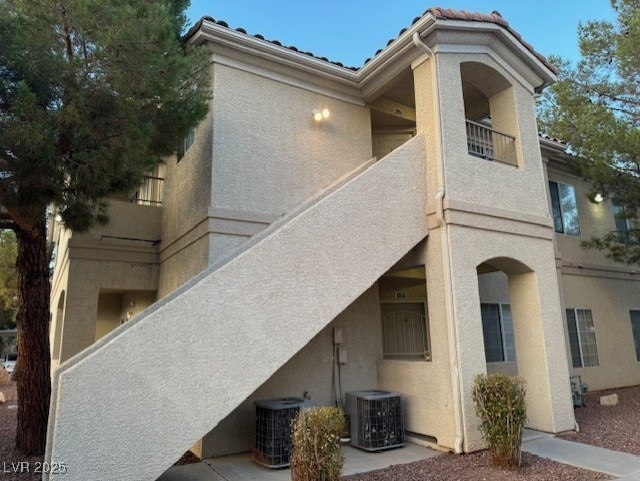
(485,142)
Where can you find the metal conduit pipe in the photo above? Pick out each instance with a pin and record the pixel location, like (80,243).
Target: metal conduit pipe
(454,358)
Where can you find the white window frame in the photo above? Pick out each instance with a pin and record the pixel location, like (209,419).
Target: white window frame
(426,341)
(582,343)
(508,352)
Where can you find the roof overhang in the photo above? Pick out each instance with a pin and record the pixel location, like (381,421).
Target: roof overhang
(397,56)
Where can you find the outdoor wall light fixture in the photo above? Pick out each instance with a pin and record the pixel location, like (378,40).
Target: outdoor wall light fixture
(320,115)
(598,198)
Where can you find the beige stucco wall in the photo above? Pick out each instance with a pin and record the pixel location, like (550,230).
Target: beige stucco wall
(595,220)
(310,269)
(108,315)
(479,182)
(426,385)
(591,281)
(610,301)
(185,228)
(537,317)
(86,279)
(492,210)
(183,263)
(256,156)
(59,284)
(268,153)
(118,256)
(310,371)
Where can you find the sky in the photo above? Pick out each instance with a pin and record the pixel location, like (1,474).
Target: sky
(349,31)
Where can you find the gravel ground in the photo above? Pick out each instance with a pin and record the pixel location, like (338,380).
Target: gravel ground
(478,467)
(609,427)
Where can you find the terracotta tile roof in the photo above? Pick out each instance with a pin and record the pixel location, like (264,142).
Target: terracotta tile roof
(437,12)
(493,17)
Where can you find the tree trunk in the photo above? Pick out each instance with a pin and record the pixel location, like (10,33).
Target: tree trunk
(34,362)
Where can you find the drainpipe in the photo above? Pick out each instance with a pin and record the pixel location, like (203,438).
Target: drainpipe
(454,358)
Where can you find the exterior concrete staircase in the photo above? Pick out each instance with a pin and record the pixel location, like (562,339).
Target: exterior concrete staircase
(129,406)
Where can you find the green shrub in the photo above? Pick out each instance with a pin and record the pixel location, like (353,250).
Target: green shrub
(317,455)
(500,404)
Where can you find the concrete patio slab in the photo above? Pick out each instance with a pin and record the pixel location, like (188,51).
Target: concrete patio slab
(242,468)
(358,461)
(191,472)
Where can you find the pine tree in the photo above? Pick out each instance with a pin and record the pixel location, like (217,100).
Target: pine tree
(93,94)
(595,108)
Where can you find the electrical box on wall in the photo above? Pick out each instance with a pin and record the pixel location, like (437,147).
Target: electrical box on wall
(337,336)
(342,355)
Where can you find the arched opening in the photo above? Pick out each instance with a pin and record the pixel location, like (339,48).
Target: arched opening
(498,306)
(489,108)
(514,339)
(59,321)
(497,316)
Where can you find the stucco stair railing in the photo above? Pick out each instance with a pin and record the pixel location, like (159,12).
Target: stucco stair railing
(126,408)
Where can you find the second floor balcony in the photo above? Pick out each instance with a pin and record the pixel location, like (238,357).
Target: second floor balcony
(149,193)
(490,144)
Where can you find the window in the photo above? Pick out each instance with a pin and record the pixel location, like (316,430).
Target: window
(582,338)
(564,208)
(405,333)
(497,330)
(187,142)
(635,327)
(625,225)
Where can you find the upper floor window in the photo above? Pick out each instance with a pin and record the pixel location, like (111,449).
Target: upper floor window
(625,225)
(564,208)
(582,338)
(188,140)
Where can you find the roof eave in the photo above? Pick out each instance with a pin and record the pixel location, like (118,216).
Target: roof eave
(209,31)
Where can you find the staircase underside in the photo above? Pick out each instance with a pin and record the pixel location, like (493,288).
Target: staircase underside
(129,406)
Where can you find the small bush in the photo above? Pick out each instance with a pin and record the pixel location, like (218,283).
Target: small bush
(500,404)
(317,455)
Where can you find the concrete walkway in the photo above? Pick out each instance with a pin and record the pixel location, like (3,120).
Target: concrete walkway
(626,467)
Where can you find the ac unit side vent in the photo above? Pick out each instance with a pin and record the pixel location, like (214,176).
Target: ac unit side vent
(377,419)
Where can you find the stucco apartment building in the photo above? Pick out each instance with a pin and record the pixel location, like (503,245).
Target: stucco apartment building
(408,205)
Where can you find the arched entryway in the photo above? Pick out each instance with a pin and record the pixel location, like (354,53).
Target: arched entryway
(512,324)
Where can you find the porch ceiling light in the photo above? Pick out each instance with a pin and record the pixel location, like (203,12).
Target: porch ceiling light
(320,115)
